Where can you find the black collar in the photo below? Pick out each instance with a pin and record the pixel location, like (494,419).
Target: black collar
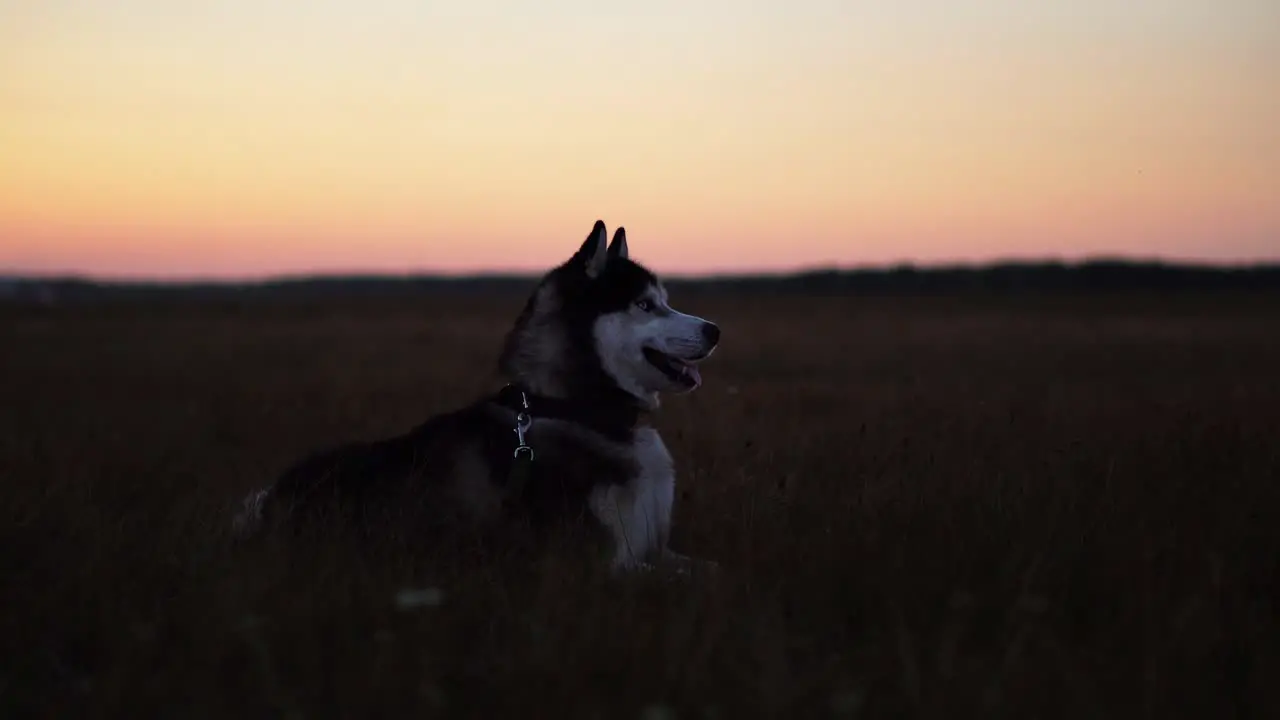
(613,417)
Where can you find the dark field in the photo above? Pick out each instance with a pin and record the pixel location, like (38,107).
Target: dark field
(922,507)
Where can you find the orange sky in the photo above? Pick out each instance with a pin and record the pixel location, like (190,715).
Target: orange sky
(246,139)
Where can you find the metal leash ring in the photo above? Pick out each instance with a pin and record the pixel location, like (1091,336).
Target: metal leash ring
(523,422)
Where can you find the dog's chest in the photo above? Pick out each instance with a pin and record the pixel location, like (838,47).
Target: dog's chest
(638,512)
(654,485)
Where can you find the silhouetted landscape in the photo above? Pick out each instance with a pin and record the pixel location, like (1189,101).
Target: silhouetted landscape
(1015,491)
(1088,276)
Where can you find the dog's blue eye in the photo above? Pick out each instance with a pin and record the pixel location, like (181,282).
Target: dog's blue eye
(644,304)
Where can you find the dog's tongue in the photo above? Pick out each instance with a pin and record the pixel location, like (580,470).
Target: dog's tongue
(691,372)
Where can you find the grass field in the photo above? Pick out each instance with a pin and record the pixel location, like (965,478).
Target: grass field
(922,507)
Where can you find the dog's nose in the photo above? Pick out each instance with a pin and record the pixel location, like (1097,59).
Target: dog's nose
(710,333)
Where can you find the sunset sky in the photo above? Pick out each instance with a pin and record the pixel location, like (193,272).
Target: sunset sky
(160,138)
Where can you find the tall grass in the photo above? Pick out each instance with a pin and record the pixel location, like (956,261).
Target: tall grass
(922,507)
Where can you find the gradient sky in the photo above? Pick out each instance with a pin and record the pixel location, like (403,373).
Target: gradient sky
(162,138)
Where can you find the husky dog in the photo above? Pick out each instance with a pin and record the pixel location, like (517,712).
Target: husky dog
(568,436)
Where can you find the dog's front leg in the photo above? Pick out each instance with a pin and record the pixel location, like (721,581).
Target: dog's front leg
(683,564)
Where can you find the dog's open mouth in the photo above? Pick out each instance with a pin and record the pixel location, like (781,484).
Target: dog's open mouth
(683,372)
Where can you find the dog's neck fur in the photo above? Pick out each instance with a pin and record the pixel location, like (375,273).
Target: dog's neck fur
(573,396)
(616,420)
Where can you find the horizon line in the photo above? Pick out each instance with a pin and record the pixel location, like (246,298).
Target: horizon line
(705,276)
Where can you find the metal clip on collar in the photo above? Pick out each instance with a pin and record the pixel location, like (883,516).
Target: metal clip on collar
(523,422)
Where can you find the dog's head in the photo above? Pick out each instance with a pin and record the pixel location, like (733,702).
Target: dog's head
(601,318)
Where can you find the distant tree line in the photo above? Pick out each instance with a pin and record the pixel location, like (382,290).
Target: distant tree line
(1019,278)
(1002,278)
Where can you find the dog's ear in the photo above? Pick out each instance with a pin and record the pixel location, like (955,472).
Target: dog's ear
(593,254)
(618,248)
